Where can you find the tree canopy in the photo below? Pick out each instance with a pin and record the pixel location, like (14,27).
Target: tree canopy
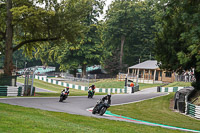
(25,24)
(178,36)
(129,28)
(86,50)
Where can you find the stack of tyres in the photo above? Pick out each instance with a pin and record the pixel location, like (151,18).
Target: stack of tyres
(3,90)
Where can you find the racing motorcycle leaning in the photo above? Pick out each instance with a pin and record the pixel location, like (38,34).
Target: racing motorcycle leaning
(102,105)
(90,93)
(64,94)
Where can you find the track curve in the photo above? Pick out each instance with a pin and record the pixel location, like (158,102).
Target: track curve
(79,104)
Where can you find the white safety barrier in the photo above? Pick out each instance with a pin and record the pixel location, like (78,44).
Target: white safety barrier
(85,88)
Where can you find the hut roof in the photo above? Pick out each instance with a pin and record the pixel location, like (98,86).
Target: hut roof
(149,64)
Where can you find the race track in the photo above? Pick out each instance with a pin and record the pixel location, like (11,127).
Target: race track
(79,104)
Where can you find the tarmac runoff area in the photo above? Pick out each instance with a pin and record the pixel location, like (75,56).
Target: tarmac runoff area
(81,105)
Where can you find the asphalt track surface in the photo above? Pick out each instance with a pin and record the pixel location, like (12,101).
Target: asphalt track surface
(79,104)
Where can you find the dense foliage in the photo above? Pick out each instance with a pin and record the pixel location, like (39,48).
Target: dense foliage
(178,36)
(69,33)
(87,49)
(129,28)
(28,24)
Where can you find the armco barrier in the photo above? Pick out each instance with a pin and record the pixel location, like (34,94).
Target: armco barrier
(170,89)
(10,91)
(3,90)
(193,110)
(85,88)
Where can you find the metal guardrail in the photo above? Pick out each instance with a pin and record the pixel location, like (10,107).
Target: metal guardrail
(10,91)
(80,87)
(193,110)
(168,89)
(15,91)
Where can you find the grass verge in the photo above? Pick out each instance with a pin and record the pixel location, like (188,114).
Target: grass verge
(15,119)
(157,111)
(56,88)
(110,83)
(179,84)
(100,84)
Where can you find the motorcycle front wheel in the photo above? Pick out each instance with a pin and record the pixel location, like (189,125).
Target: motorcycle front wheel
(94,110)
(61,99)
(102,111)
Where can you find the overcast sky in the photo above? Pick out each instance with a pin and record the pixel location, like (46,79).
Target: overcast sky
(108,2)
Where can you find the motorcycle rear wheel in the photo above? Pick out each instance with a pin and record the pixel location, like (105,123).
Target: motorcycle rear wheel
(61,99)
(94,110)
(102,111)
(90,95)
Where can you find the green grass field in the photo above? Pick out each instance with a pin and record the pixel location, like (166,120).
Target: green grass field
(56,88)
(179,84)
(100,84)
(16,119)
(20,119)
(157,111)
(110,83)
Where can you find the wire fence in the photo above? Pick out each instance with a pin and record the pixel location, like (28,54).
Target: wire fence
(185,78)
(90,79)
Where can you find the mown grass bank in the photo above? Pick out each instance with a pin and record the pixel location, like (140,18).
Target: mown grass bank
(16,119)
(157,111)
(56,88)
(100,84)
(110,83)
(179,84)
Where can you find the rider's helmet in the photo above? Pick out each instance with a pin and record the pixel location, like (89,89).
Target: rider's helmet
(67,88)
(93,86)
(108,96)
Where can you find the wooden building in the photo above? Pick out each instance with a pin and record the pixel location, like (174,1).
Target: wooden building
(149,72)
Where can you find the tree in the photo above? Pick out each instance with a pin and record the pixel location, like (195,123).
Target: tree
(111,63)
(119,21)
(140,41)
(133,20)
(24,24)
(86,50)
(72,56)
(177,38)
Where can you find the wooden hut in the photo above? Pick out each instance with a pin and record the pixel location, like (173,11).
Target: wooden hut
(149,72)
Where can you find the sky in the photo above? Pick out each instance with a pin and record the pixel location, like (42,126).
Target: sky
(108,2)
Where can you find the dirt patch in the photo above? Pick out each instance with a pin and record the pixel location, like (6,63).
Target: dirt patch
(196,99)
(171,105)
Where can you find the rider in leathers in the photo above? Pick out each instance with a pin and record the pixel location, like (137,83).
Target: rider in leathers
(106,99)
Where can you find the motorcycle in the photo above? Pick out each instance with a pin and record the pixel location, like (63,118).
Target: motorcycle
(63,95)
(100,108)
(90,93)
